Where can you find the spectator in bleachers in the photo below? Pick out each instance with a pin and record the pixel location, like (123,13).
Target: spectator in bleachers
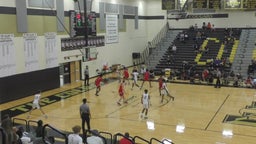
(182,37)
(7,125)
(94,138)
(125,140)
(203,36)
(205,74)
(39,129)
(249,82)
(206,49)
(186,36)
(191,28)
(213,28)
(198,36)
(75,138)
(174,48)
(209,26)
(204,26)
(23,136)
(195,27)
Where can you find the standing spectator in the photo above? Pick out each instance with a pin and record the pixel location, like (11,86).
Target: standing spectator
(75,138)
(209,26)
(218,76)
(85,115)
(174,48)
(145,101)
(97,84)
(39,129)
(36,104)
(213,28)
(94,138)
(39,132)
(86,76)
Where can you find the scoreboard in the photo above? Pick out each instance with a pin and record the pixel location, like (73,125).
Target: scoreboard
(78,24)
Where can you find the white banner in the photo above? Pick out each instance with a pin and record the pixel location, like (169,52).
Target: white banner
(7,55)
(111,29)
(31,52)
(51,52)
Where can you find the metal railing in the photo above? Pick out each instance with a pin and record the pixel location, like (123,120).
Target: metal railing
(54,129)
(153,44)
(135,138)
(123,136)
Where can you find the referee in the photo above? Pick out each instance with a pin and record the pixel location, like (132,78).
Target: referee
(85,115)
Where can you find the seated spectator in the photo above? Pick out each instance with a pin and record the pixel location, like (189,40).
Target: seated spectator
(205,74)
(23,136)
(191,28)
(206,49)
(7,125)
(125,140)
(94,138)
(249,82)
(186,36)
(198,35)
(75,138)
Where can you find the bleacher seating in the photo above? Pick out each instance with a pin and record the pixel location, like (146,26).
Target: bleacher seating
(186,56)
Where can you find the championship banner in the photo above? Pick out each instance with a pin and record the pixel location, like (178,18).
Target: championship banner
(31,52)
(111,29)
(51,52)
(7,55)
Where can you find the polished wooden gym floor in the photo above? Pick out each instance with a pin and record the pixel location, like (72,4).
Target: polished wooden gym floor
(200,109)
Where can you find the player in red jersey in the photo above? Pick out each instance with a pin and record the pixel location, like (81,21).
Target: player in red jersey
(121,92)
(97,84)
(126,75)
(146,78)
(160,83)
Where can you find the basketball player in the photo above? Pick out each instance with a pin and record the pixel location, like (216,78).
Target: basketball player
(135,78)
(97,84)
(36,104)
(164,91)
(160,83)
(126,75)
(145,101)
(146,78)
(121,92)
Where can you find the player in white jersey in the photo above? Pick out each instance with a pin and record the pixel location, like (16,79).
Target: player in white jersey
(135,75)
(36,104)
(164,91)
(145,101)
